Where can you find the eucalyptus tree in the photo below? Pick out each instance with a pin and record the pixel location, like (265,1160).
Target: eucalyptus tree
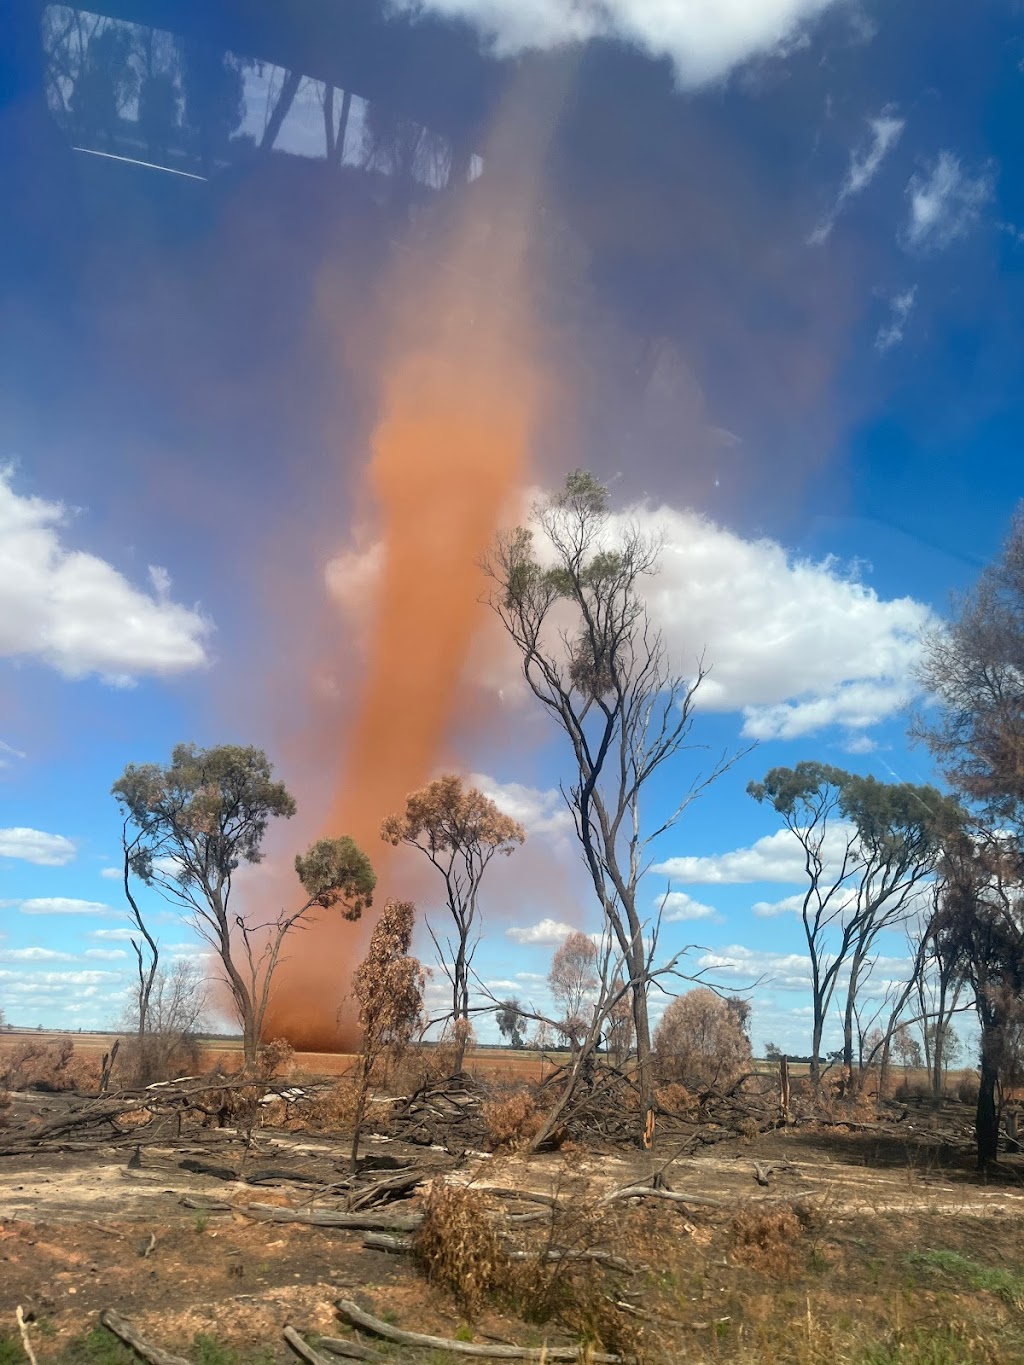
(568,589)
(197,820)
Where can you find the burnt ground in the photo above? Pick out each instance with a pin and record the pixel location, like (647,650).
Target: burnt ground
(899,1250)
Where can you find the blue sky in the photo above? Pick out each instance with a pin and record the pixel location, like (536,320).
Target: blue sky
(805,219)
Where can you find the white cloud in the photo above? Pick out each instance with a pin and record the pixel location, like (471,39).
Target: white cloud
(76,612)
(891,332)
(944,203)
(62,905)
(112,874)
(539,812)
(789,905)
(796,645)
(34,955)
(549,933)
(106,954)
(33,846)
(704,41)
(7,752)
(865,162)
(776,857)
(679,908)
(118,935)
(738,965)
(861,744)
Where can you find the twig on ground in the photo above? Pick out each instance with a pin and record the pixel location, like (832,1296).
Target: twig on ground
(23,1329)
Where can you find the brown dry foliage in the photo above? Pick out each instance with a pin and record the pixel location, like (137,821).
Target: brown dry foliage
(675,1098)
(701,1042)
(444,815)
(458,1246)
(335,1110)
(49,1066)
(512,1120)
(768,1240)
(389,986)
(276,1057)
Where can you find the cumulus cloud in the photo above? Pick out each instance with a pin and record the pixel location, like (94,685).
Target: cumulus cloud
(24,983)
(118,935)
(796,645)
(865,162)
(891,332)
(541,813)
(679,908)
(945,203)
(112,874)
(77,613)
(776,857)
(739,965)
(61,905)
(704,42)
(549,933)
(789,905)
(106,954)
(33,846)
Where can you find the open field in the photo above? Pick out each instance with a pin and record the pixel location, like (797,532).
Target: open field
(856,1238)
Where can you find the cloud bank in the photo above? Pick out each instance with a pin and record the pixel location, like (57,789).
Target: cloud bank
(703,41)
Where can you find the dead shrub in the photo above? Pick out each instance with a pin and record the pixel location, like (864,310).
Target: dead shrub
(275,1058)
(767,1239)
(51,1067)
(513,1120)
(701,1041)
(335,1110)
(675,1098)
(157,1057)
(5,1106)
(912,1088)
(458,1247)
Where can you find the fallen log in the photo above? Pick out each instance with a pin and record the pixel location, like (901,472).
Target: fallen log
(354,1315)
(382,1241)
(131,1336)
(331,1218)
(352,1350)
(698,1200)
(399,1182)
(302,1348)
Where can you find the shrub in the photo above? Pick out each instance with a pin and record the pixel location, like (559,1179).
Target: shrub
(275,1058)
(53,1066)
(968,1088)
(512,1120)
(458,1246)
(701,1042)
(767,1239)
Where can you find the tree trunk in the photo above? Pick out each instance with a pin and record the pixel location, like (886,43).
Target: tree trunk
(986,1122)
(289,89)
(338,150)
(937,1062)
(883,1066)
(644,1063)
(816,1032)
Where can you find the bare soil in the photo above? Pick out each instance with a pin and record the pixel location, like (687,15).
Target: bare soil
(890,1247)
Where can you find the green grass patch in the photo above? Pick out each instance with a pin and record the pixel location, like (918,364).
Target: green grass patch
(924,1346)
(1003,1284)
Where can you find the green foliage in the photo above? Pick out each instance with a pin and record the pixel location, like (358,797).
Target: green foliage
(583,493)
(10,1351)
(209,808)
(337,871)
(207,1350)
(790,790)
(1003,1284)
